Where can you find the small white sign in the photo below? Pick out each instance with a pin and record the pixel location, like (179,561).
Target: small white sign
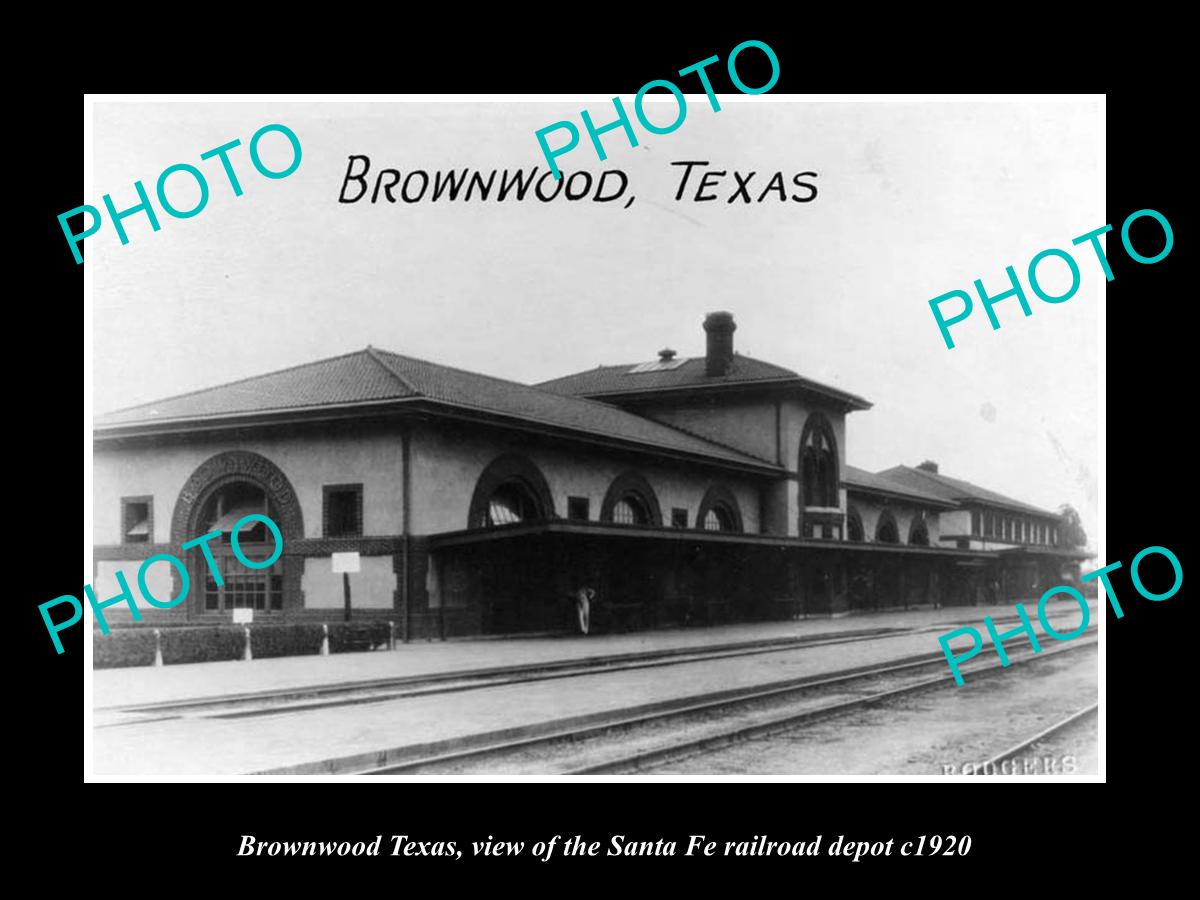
(345,562)
(243,616)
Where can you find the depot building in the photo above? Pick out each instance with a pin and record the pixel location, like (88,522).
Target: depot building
(682,490)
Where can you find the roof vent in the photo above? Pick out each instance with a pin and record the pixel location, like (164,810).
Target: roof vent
(666,354)
(929,466)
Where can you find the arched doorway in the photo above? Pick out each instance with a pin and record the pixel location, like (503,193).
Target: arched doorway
(222,491)
(241,587)
(512,579)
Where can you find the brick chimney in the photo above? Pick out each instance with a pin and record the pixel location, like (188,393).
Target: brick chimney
(929,466)
(719,326)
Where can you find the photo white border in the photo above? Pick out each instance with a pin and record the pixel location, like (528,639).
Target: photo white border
(90,190)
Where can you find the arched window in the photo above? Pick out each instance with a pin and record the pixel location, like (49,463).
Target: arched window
(886,531)
(630,510)
(510,490)
(233,502)
(819,462)
(854,525)
(918,532)
(243,588)
(719,510)
(509,504)
(631,501)
(719,518)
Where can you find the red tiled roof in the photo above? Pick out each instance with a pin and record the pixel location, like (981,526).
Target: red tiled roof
(371,375)
(957,489)
(619,380)
(860,479)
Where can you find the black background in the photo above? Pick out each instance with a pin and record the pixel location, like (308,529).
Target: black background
(187,835)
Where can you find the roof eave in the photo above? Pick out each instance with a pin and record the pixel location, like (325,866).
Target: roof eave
(188,424)
(1015,507)
(446,409)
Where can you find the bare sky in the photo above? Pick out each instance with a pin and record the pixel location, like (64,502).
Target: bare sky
(915,200)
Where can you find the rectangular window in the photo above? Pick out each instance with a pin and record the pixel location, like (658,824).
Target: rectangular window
(578,508)
(261,590)
(679,518)
(343,510)
(137,525)
(975,522)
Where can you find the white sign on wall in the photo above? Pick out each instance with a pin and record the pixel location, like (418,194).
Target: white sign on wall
(345,562)
(243,616)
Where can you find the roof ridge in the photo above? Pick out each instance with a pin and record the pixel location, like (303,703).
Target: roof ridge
(872,479)
(952,483)
(521,384)
(686,359)
(374,354)
(228,384)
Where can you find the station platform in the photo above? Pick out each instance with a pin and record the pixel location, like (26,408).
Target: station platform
(164,684)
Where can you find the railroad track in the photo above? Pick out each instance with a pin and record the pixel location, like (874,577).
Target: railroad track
(302,699)
(996,762)
(563,750)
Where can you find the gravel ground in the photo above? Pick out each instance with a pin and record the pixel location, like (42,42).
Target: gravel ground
(934,733)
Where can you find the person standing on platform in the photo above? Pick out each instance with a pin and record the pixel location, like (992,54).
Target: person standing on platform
(583,607)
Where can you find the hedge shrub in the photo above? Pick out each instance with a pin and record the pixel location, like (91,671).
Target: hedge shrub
(205,644)
(214,643)
(124,647)
(297,639)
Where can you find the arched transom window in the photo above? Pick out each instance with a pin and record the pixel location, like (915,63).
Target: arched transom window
(511,503)
(510,490)
(886,531)
(630,500)
(918,534)
(719,518)
(630,510)
(854,525)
